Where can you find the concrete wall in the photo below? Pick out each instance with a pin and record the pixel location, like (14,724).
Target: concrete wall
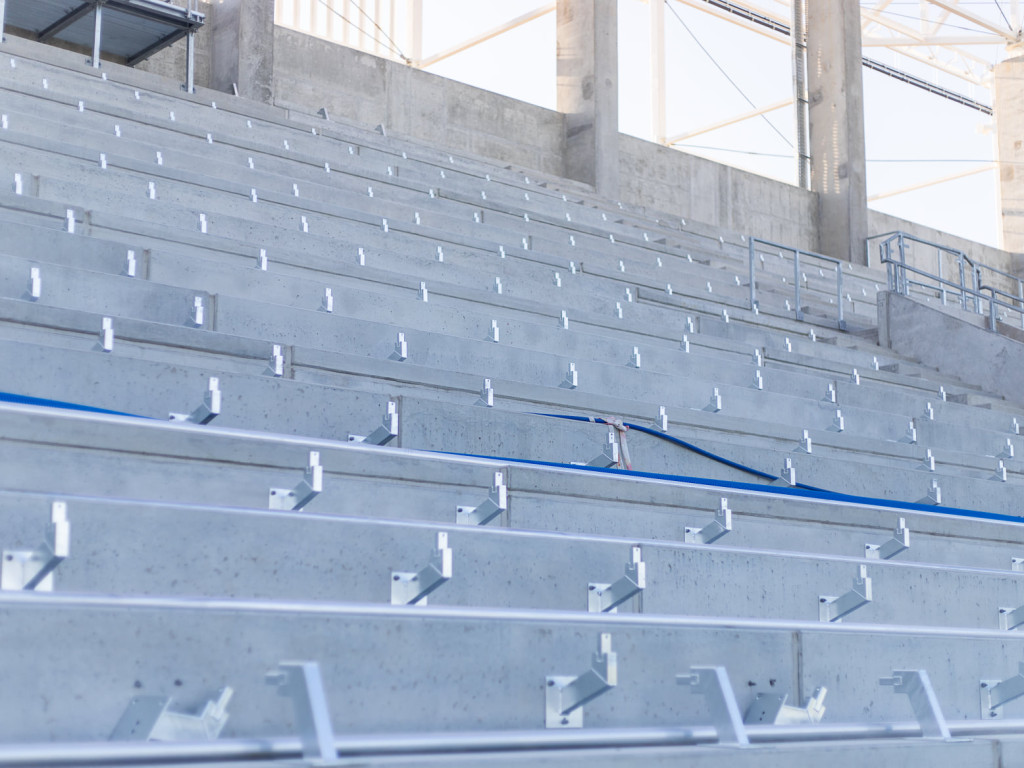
(666,179)
(170,62)
(944,341)
(310,73)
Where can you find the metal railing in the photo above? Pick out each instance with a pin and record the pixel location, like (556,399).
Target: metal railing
(974,288)
(798,255)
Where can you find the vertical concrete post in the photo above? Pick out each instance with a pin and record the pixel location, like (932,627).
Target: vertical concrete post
(1008,107)
(243,48)
(836,117)
(588,91)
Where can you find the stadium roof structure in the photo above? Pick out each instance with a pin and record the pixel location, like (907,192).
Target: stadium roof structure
(130,29)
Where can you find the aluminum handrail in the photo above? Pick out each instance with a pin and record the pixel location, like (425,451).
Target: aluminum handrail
(901,285)
(753,242)
(106,753)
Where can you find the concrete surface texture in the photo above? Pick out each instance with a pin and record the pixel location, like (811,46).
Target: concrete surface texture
(327,276)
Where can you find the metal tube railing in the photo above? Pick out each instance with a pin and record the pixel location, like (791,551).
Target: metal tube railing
(384,745)
(798,254)
(973,292)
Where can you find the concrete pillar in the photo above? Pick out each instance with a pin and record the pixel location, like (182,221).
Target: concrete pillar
(243,48)
(588,91)
(1009,114)
(836,116)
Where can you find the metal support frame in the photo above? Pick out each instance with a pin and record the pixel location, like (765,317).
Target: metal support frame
(771,708)
(995,694)
(713,684)
(918,688)
(208,410)
(3,16)
(32,569)
(495,503)
(802,100)
(385,433)
(900,542)
(833,609)
(150,718)
(1011,618)
(565,696)
(301,682)
(606,598)
(608,457)
(714,530)
(412,587)
(97,34)
(294,499)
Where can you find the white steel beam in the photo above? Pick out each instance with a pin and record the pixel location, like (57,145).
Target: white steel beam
(933,182)
(941,42)
(982,22)
(730,121)
(501,29)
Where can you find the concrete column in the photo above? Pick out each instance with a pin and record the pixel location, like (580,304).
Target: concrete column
(1009,114)
(243,48)
(836,116)
(588,91)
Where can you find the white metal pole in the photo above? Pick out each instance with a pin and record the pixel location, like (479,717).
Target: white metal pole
(658,123)
(97,35)
(414,30)
(3,8)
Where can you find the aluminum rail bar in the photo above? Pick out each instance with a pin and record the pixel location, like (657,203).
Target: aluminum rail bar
(377,745)
(50,602)
(489,462)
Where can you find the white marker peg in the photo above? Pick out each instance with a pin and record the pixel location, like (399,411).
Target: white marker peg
(384,225)
(253,196)
(18,185)
(209,138)
(159,158)
(103,161)
(261,260)
(129,264)
(69,221)
(663,418)
(563,320)
(401,350)
(618,309)
(117,131)
(304,225)
(327,302)
(35,284)
(558,280)
(424,296)
(495,334)
(202,223)
(362,257)
(295,190)
(634,360)
(276,365)
(3,122)
(107,334)
(685,344)
(497,286)
(198,312)
(486,398)
(571,380)
(151,192)
(440,256)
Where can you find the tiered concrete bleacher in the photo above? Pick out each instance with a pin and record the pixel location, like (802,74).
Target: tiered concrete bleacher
(304,281)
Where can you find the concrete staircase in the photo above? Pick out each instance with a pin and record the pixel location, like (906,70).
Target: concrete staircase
(442,591)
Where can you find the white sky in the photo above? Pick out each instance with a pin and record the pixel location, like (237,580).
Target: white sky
(911,136)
